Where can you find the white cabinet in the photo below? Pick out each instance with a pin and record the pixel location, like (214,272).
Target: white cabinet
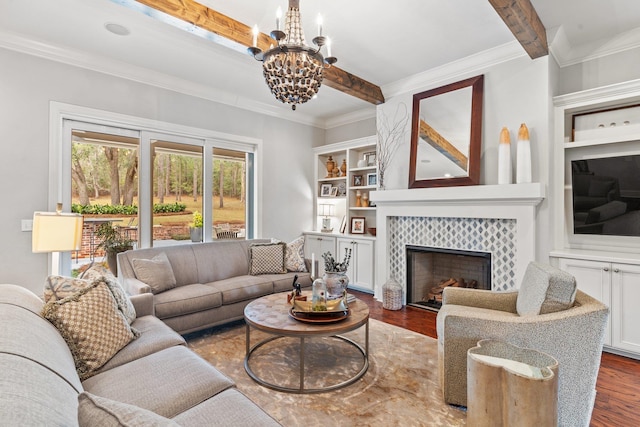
(318,244)
(618,286)
(360,270)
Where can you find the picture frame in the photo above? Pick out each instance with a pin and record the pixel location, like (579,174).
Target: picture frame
(357,180)
(372,179)
(334,191)
(357,225)
(325,190)
(343,224)
(370,158)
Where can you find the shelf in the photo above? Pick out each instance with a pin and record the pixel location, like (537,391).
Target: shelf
(332,197)
(368,208)
(364,187)
(339,178)
(366,168)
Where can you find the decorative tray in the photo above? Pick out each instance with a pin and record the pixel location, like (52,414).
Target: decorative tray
(318,316)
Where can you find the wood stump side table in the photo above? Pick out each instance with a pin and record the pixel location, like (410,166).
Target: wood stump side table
(510,386)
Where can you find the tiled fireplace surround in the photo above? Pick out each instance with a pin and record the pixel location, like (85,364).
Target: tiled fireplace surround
(491,218)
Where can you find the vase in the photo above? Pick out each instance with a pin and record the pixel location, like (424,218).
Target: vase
(343,168)
(330,165)
(196,234)
(336,283)
(319,295)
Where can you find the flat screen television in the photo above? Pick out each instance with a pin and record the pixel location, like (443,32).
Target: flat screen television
(606,195)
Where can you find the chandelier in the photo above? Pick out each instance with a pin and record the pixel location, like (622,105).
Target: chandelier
(293,70)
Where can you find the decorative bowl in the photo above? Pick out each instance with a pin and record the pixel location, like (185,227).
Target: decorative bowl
(372,231)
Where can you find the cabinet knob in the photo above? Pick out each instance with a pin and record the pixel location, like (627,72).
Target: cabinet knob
(615,270)
(606,268)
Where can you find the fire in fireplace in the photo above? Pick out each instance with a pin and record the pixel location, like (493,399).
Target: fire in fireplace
(430,270)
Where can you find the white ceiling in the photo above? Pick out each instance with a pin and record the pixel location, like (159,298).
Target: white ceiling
(381,41)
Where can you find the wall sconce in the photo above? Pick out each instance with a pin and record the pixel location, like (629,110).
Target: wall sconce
(326,211)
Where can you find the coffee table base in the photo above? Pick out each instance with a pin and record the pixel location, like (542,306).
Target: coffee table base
(301,389)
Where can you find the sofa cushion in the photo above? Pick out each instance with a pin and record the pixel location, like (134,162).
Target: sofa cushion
(103,412)
(100,272)
(155,272)
(242,288)
(266,258)
(155,335)
(231,407)
(545,289)
(186,299)
(171,372)
(294,255)
(91,324)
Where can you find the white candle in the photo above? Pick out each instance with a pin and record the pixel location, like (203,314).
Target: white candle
(255,35)
(313,266)
(328,47)
(523,169)
(278,16)
(319,25)
(504,157)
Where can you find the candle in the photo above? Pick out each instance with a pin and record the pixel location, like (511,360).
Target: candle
(504,157)
(328,47)
(319,25)
(313,266)
(278,16)
(523,165)
(255,32)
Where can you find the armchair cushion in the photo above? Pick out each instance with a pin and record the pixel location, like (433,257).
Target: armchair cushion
(545,289)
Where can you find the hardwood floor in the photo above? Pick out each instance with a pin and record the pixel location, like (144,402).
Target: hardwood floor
(618,397)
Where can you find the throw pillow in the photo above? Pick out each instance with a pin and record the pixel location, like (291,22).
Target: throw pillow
(100,272)
(545,289)
(100,411)
(266,258)
(60,287)
(294,255)
(92,326)
(155,272)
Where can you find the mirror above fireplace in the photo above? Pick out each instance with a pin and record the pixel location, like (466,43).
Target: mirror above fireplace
(446,135)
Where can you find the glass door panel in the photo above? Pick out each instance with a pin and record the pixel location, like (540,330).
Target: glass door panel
(229,201)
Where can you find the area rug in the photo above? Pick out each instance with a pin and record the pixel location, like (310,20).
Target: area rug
(400,387)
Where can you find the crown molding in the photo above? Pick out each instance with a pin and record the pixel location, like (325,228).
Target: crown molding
(600,94)
(19,43)
(566,54)
(352,117)
(456,69)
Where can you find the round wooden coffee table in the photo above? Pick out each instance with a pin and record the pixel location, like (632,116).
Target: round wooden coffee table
(270,314)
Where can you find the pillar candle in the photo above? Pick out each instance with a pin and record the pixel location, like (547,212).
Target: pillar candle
(313,265)
(504,157)
(523,156)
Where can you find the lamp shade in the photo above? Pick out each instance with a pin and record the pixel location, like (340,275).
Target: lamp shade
(56,232)
(326,210)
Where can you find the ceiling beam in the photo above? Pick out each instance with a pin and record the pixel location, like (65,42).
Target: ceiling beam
(440,143)
(525,24)
(240,36)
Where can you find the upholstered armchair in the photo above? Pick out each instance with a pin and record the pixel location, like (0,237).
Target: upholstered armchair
(547,314)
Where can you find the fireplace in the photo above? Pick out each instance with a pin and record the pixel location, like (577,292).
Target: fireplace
(430,270)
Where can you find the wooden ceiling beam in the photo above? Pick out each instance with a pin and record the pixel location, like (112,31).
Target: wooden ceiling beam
(440,143)
(525,24)
(240,36)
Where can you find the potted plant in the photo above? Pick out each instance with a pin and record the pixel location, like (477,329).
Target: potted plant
(335,274)
(113,241)
(196,230)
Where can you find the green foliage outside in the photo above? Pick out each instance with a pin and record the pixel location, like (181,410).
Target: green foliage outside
(99,209)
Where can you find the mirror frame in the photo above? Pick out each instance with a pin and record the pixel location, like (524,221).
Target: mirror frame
(475,143)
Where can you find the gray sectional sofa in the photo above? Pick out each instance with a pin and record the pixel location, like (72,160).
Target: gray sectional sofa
(153,380)
(212,282)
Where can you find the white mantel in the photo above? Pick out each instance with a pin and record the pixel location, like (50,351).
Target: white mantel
(512,202)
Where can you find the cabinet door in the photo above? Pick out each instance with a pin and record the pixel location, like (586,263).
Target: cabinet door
(360,269)
(345,244)
(317,245)
(625,316)
(593,278)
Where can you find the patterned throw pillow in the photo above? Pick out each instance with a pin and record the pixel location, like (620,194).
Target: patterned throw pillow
(60,287)
(155,272)
(100,272)
(294,255)
(266,258)
(91,324)
(100,411)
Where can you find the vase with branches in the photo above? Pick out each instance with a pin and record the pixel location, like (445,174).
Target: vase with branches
(390,133)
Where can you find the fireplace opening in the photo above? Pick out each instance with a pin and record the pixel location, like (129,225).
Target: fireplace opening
(430,270)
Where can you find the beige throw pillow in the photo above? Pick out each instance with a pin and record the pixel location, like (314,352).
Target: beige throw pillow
(103,412)
(100,272)
(60,287)
(91,324)
(155,272)
(266,258)
(294,255)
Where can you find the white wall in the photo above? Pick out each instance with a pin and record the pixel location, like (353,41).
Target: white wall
(28,84)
